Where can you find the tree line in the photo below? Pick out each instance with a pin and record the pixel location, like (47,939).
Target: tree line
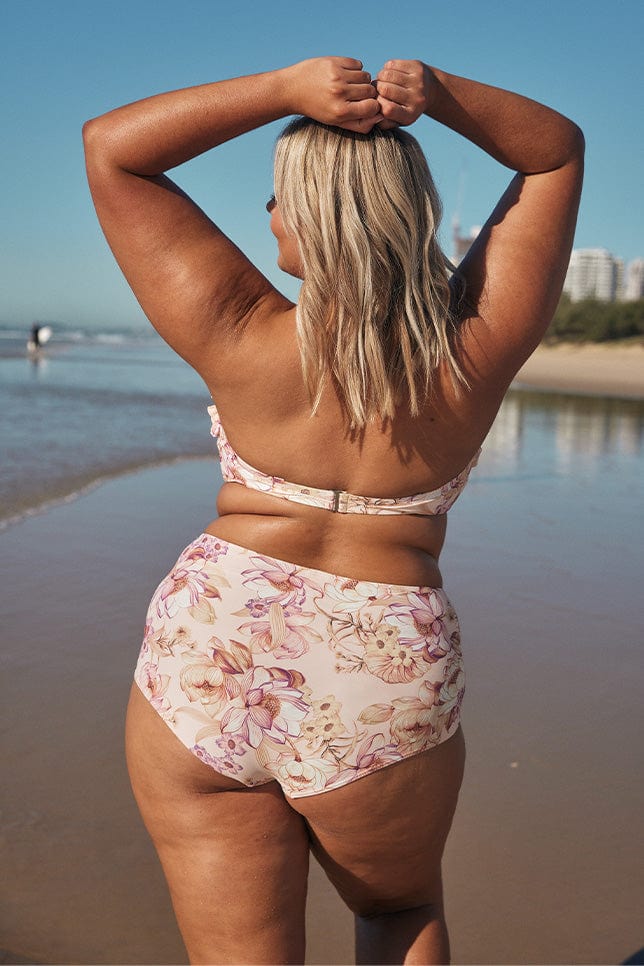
(593,321)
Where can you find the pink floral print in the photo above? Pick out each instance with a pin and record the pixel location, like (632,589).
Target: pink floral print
(267,670)
(236,470)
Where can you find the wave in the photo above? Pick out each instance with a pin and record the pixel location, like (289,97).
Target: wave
(186,400)
(22,514)
(13,333)
(65,333)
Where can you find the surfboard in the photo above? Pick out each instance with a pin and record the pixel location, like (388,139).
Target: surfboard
(44,335)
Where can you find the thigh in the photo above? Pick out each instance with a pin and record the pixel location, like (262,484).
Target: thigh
(235,858)
(380,839)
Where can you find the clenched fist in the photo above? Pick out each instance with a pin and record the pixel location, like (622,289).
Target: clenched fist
(403,91)
(334,90)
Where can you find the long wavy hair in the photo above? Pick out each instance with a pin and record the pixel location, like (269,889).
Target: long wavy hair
(375,305)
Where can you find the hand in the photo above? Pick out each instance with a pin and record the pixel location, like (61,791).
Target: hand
(336,91)
(403,91)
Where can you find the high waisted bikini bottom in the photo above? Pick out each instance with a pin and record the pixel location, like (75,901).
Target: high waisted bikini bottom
(268,670)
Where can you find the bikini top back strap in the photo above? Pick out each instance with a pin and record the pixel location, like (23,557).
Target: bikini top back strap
(236,470)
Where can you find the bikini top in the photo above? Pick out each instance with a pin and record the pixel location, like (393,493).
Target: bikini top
(235,470)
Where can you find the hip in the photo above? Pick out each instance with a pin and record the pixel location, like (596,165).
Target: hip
(247,651)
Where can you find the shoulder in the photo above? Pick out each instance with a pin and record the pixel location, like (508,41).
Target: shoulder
(256,345)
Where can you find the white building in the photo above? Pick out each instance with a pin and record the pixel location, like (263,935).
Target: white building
(461,243)
(593,273)
(634,286)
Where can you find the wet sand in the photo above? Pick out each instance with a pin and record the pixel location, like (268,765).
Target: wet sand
(604,369)
(544,863)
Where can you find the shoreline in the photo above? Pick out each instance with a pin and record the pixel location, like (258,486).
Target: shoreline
(71,650)
(593,369)
(607,369)
(78,858)
(79,490)
(601,370)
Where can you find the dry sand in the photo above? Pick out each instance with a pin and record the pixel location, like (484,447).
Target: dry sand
(544,864)
(603,369)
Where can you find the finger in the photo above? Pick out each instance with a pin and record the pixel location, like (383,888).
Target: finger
(363,126)
(360,92)
(357,76)
(404,66)
(394,77)
(393,92)
(350,63)
(360,110)
(395,112)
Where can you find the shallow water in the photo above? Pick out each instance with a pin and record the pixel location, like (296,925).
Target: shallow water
(579,463)
(89,408)
(94,405)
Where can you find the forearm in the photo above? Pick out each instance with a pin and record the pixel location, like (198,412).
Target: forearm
(153,135)
(158,133)
(518,132)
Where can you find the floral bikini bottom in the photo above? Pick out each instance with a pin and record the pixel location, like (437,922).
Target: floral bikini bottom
(267,670)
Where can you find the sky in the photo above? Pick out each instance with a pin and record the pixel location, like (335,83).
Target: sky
(64,61)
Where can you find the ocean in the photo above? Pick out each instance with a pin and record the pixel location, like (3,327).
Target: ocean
(95,404)
(543,562)
(89,406)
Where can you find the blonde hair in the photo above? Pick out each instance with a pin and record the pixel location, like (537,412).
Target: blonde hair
(374,308)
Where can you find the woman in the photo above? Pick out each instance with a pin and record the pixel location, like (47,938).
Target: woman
(279,707)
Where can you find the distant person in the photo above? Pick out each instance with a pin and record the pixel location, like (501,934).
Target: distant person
(40,335)
(301,677)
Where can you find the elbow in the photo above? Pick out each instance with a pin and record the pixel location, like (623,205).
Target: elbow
(98,139)
(580,140)
(88,127)
(577,142)
(99,152)
(92,135)
(570,148)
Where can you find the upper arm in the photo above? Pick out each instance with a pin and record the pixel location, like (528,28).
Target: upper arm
(515,269)
(195,286)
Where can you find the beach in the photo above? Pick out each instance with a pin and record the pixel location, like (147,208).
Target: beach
(81,882)
(601,368)
(543,562)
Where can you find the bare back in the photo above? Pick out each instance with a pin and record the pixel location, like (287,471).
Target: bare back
(267,415)
(225,318)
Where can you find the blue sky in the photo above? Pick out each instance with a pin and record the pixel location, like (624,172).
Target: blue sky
(63,61)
